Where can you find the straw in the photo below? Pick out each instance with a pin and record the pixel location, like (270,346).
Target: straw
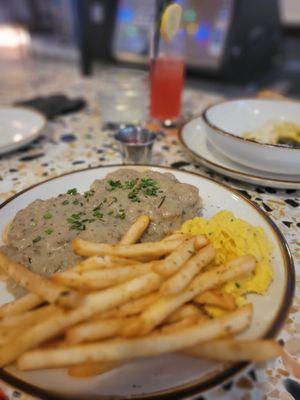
(160,6)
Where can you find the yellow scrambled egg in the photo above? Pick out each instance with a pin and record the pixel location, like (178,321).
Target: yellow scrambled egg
(233,237)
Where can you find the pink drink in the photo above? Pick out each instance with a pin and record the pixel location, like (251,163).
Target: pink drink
(166,81)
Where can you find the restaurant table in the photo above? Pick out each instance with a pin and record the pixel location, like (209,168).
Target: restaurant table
(80,140)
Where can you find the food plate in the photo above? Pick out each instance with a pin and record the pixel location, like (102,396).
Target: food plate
(169,376)
(227,123)
(18,127)
(193,138)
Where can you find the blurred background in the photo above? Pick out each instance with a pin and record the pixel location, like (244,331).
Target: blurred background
(230,44)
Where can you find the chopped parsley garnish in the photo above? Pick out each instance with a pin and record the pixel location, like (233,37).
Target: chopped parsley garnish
(49,231)
(130,184)
(149,187)
(114,185)
(145,186)
(76,202)
(146,182)
(98,214)
(121,213)
(78,222)
(151,191)
(65,202)
(237,285)
(75,223)
(89,193)
(72,191)
(78,226)
(36,239)
(133,196)
(47,215)
(75,216)
(110,213)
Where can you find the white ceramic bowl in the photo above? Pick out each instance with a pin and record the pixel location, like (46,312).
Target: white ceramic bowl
(228,121)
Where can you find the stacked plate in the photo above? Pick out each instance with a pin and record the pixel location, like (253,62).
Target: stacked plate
(19,126)
(216,140)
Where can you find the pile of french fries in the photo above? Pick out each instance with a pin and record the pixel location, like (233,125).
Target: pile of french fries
(127,301)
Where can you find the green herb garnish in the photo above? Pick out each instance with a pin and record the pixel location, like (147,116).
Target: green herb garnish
(110,213)
(47,215)
(65,202)
(237,285)
(78,226)
(133,196)
(130,184)
(121,213)
(145,186)
(149,187)
(76,202)
(76,216)
(89,193)
(75,223)
(98,214)
(114,185)
(36,239)
(72,191)
(89,220)
(49,231)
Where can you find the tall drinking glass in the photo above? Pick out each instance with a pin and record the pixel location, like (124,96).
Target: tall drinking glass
(166,77)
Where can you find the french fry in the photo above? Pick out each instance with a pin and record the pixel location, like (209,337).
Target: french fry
(178,235)
(132,307)
(91,369)
(39,285)
(100,262)
(28,318)
(93,304)
(101,279)
(178,282)
(166,305)
(14,326)
(136,230)
(187,310)
(200,241)
(177,326)
(95,330)
(216,298)
(177,258)
(32,337)
(9,333)
(21,305)
(126,349)
(144,250)
(237,350)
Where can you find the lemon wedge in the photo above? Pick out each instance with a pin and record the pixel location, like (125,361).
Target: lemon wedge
(170,22)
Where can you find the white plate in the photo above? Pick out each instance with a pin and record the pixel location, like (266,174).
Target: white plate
(18,127)
(194,138)
(173,375)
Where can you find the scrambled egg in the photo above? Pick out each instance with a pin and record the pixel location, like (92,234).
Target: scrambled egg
(233,237)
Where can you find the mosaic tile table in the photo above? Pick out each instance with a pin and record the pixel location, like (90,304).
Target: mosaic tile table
(77,141)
